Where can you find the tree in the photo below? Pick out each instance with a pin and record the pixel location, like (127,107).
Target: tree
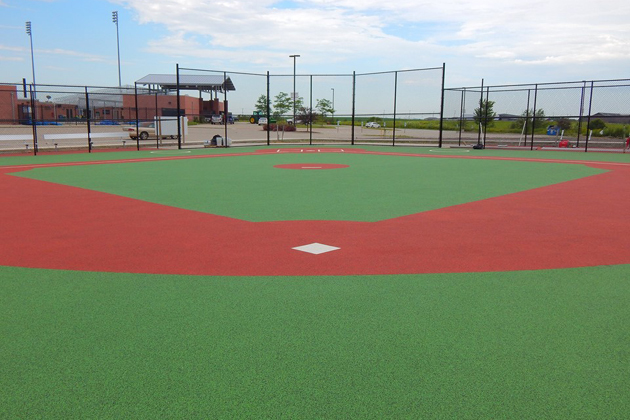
(261,104)
(282,103)
(305,115)
(526,116)
(485,114)
(324,106)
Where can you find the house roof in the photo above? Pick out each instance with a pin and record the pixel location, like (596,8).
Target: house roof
(204,82)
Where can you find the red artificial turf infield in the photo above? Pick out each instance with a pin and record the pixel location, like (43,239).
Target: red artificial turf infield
(571,224)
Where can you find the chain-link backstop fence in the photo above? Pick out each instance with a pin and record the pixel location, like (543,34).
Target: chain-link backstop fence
(582,115)
(205,108)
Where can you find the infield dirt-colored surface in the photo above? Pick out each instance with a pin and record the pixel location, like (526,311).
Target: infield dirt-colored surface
(104,232)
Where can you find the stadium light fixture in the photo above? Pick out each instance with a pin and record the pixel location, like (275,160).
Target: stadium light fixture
(29,32)
(115,20)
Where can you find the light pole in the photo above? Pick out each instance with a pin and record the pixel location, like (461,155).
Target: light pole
(115,20)
(333,107)
(30,34)
(294,56)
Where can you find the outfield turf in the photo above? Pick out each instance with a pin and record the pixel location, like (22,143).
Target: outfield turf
(544,344)
(519,345)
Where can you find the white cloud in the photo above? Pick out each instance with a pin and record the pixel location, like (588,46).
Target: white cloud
(511,32)
(76,54)
(11,48)
(58,52)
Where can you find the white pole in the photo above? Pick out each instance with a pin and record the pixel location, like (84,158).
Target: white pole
(520,139)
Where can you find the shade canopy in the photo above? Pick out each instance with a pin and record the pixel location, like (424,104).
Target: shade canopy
(202,82)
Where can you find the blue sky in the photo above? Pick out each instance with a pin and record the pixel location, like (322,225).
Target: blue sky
(501,41)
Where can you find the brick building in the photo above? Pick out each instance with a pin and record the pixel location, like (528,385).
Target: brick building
(156,97)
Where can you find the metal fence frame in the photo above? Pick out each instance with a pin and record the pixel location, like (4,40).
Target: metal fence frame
(354,75)
(531,97)
(587,94)
(92,106)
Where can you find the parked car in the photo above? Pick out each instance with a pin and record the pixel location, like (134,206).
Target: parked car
(373,124)
(262,121)
(216,119)
(146,129)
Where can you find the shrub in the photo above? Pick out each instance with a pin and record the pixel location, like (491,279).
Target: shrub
(278,127)
(618,131)
(597,124)
(564,123)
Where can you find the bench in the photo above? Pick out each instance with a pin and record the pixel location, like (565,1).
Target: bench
(26,138)
(122,136)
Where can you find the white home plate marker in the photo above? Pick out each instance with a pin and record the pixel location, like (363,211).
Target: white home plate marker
(316,248)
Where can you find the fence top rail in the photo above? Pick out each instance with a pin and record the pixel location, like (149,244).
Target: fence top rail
(314,74)
(399,71)
(525,86)
(41,85)
(222,71)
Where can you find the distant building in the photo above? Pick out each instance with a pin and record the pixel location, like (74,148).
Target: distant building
(156,97)
(507,117)
(612,118)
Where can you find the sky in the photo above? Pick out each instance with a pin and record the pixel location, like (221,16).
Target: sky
(500,41)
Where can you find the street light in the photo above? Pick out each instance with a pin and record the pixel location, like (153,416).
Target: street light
(333,107)
(294,92)
(30,34)
(115,20)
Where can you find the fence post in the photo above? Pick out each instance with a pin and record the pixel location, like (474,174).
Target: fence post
(155,118)
(581,113)
(33,119)
(87,109)
(486,116)
(225,109)
(462,117)
(529,93)
(310,116)
(179,121)
(588,121)
(395,94)
(480,108)
(442,106)
(354,86)
(135,89)
(534,115)
(268,109)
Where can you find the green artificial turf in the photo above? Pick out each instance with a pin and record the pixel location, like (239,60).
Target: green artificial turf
(372,188)
(548,344)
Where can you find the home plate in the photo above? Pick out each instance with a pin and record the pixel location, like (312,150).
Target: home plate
(316,248)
